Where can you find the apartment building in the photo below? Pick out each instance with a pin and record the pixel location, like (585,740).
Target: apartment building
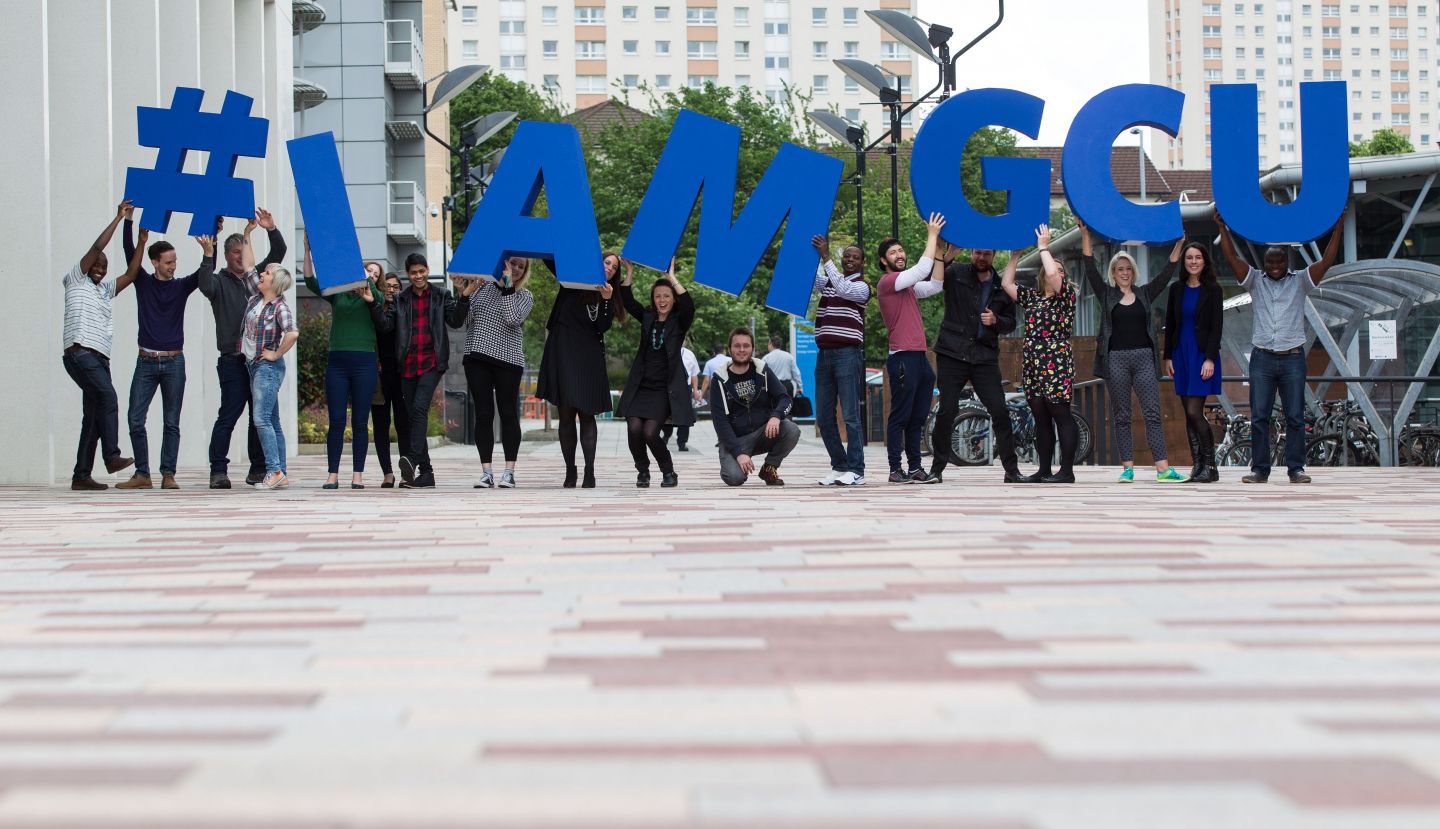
(1385,50)
(587,50)
(360,66)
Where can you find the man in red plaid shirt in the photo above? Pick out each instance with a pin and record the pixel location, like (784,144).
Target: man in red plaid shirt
(418,317)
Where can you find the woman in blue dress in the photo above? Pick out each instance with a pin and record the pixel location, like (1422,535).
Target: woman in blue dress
(1193,320)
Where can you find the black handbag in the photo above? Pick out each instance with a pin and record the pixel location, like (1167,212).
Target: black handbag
(801,406)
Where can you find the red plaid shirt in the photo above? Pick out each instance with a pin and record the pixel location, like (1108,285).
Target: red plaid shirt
(420,357)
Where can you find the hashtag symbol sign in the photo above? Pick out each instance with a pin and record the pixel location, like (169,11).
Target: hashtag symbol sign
(226,135)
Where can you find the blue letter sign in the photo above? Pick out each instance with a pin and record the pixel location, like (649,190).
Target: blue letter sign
(329,225)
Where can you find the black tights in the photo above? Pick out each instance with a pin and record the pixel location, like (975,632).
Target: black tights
(644,434)
(1202,440)
(1052,416)
(568,438)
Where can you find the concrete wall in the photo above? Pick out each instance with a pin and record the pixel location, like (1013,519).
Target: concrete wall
(75,72)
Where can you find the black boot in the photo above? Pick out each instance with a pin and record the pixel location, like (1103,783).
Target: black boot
(1207,453)
(642,480)
(570,477)
(1197,454)
(589,480)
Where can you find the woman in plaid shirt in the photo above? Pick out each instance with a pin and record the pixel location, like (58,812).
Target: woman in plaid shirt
(268,332)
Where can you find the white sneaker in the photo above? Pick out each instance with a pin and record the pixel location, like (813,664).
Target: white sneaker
(831,478)
(851,479)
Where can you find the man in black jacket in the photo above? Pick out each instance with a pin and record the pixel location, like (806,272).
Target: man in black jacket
(749,404)
(419,319)
(967,349)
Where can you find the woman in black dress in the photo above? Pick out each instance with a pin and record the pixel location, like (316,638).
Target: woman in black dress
(387,400)
(658,390)
(572,367)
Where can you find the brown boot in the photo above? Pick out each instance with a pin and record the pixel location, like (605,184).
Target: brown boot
(87,484)
(167,481)
(118,463)
(771,475)
(137,481)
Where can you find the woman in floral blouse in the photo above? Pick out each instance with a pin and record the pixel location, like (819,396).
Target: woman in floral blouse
(1048,364)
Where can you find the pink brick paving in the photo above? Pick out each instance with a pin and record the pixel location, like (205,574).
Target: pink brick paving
(968,656)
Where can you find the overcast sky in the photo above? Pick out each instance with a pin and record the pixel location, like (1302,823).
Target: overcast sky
(1063,51)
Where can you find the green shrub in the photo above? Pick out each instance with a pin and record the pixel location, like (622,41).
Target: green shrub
(312,354)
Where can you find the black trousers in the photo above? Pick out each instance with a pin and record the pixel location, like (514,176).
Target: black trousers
(951,376)
(100,412)
(381,417)
(495,386)
(418,392)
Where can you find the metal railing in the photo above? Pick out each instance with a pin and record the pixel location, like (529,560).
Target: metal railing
(406,221)
(404,57)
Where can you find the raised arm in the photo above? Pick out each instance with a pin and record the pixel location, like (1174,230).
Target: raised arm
(207,261)
(1332,251)
(133,268)
(278,249)
(1088,266)
(98,247)
(632,305)
(1051,268)
(1007,277)
(247,251)
(1155,287)
(911,277)
(1227,247)
(605,315)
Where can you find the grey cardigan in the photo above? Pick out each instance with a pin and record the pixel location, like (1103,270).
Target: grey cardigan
(1110,296)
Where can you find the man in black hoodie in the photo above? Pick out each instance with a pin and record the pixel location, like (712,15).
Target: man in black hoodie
(748,404)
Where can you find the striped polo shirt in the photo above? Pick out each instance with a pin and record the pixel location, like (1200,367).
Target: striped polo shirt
(87,311)
(840,319)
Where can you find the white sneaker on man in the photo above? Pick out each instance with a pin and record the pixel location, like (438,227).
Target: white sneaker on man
(831,478)
(851,479)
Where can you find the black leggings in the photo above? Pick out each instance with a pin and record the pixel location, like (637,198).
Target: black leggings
(495,386)
(1197,427)
(644,433)
(1052,416)
(380,416)
(568,438)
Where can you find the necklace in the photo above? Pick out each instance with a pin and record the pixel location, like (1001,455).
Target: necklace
(593,311)
(657,336)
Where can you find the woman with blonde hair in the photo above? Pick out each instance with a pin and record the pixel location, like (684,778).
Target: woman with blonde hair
(268,331)
(1048,363)
(493,313)
(1127,353)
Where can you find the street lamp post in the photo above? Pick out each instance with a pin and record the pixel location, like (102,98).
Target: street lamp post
(846,131)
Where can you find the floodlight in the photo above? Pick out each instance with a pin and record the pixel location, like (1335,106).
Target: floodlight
(905,29)
(454,82)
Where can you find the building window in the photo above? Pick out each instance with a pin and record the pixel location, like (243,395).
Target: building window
(512,27)
(850,85)
(590,84)
(742,80)
(742,15)
(1210,9)
(819,16)
(776,28)
(850,16)
(700,50)
(589,50)
(699,81)
(852,115)
(470,14)
(777,62)
(552,82)
(1210,31)
(630,47)
(890,50)
(1239,52)
(1212,53)
(820,50)
(700,15)
(662,14)
(590,16)
(549,15)
(631,81)
(1240,8)
(852,48)
(742,49)
(1213,75)
(662,81)
(662,47)
(470,48)
(512,61)
(1239,74)
(629,13)
(821,83)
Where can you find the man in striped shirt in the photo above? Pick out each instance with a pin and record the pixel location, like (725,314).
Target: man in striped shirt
(89,331)
(840,364)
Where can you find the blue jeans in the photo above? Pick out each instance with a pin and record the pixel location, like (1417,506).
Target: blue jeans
(234,378)
(912,385)
(100,409)
(1271,373)
(839,373)
(350,377)
(265,381)
(168,375)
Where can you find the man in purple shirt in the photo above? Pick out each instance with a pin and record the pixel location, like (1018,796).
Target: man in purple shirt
(160,299)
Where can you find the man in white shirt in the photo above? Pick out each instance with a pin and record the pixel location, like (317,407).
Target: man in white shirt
(719,361)
(692,374)
(89,330)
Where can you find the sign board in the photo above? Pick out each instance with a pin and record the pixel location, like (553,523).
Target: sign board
(1383,344)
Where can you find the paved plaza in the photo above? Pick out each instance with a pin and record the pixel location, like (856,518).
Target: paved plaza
(965,656)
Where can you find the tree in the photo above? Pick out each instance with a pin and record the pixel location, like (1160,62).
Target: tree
(1384,141)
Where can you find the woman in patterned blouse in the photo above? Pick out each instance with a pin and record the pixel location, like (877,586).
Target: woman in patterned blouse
(1048,364)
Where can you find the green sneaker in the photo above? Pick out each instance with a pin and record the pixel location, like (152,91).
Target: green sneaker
(1127,476)
(1170,476)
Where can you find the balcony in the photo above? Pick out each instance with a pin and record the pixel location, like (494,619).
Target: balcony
(401,127)
(404,61)
(406,222)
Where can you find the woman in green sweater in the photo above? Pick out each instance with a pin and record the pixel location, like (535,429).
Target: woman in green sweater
(350,374)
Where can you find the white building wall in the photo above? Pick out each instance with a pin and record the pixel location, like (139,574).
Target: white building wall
(1385,50)
(76,71)
(476,37)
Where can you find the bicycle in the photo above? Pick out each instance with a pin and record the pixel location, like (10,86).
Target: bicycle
(971,433)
